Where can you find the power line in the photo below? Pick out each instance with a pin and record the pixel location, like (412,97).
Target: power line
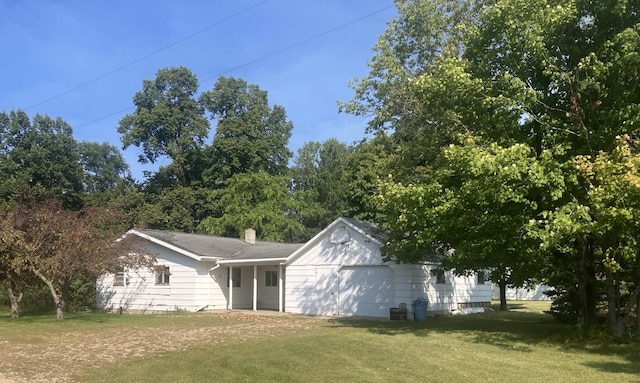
(273,53)
(145,56)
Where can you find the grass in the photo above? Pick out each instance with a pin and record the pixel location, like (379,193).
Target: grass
(522,345)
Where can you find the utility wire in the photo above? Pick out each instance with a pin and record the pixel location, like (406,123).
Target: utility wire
(273,53)
(146,56)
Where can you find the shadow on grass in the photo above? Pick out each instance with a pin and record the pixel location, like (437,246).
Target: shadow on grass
(513,331)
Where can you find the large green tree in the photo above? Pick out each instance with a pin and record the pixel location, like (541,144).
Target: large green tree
(255,200)
(39,156)
(168,120)
(251,136)
(557,76)
(320,171)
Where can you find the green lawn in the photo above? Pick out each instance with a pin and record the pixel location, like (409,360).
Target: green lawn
(522,345)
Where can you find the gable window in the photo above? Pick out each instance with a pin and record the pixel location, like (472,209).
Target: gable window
(237,275)
(271,278)
(118,276)
(162,275)
(439,274)
(481,277)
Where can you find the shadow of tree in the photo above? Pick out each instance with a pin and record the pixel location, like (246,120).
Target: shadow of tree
(512,331)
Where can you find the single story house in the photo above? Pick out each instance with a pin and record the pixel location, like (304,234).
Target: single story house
(339,272)
(533,293)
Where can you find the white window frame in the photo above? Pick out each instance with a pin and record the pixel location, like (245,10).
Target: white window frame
(119,276)
(439,275)
(271,278)
(162,275)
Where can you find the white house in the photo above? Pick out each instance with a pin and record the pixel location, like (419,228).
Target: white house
(339,272)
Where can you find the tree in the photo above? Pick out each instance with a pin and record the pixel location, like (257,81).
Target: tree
(168,120)
(556,76)
(103,166)
(422,34)
(41,155)
(255,200)
(472,213)
(57,245)
(320,170)
(250,136)
(177,208)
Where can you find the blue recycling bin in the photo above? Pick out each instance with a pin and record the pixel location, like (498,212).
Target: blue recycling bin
(420,309)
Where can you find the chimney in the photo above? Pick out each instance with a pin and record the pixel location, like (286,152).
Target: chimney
(250,236)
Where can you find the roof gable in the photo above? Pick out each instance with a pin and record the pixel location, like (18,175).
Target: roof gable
(366,229)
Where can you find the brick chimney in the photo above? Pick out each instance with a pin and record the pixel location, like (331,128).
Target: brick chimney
(250,236)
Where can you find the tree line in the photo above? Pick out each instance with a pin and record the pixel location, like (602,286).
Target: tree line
(503,139)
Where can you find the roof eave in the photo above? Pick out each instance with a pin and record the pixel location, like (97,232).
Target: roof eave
(250,261)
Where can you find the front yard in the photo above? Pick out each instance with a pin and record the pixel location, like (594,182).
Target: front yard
(522,345)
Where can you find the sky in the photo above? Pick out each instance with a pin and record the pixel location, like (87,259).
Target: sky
(84,60)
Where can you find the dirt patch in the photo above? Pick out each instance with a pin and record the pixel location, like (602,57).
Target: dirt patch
(57,357)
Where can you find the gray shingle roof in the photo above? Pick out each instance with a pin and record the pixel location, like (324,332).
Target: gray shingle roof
(223,247)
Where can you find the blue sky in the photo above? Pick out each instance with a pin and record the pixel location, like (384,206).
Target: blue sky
(84,60)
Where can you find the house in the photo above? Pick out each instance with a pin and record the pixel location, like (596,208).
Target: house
(532,293)
(339,272)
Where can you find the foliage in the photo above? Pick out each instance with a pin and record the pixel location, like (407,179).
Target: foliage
(254,200)
(39,157)
(320,169)
(168,120)
(178,208)
(104,167)
(250,135)
(559,78)
(59,245)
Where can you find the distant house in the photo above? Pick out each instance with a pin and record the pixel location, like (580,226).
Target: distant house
(339,272)
(533,293)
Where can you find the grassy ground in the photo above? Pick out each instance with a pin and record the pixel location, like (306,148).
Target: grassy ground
(522,345)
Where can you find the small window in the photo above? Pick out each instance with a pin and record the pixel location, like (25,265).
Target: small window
(481,277)
(439,274)
(118,276)
(271,278)
(162,275)
(237,275)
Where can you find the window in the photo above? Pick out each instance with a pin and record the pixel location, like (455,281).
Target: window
(439,274)
(481,277)
(162,275)
(271,278)
(237,275)
(118,276)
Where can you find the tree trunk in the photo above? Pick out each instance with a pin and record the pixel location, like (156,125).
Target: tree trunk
(57,296)
(503,295)
(617,322)
(13,299)
(637,334)
(586,288)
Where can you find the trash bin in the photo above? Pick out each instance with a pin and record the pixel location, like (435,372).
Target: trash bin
(420,309)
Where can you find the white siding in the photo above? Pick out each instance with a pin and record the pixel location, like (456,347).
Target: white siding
(187,288)
(300,287)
